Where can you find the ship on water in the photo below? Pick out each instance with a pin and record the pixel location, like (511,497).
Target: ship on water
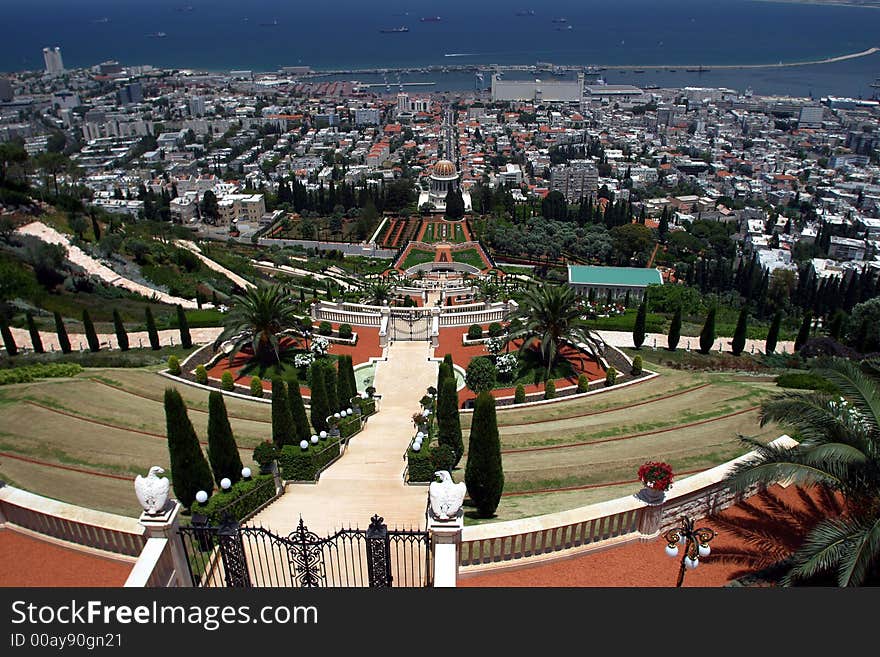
(394,30)
(157,35)
(525,12)
(430,19)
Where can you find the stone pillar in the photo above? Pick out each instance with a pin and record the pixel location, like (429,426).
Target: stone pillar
(649,521)
(435,327)
(445,545)
(166,524)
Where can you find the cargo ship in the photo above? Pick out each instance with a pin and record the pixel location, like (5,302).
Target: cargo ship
(430,19)
(394,30)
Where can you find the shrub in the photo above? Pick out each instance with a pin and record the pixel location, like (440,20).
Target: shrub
(298,410)
(674,331)
(420,465)
(550,389)
(8,339)
(475,332)
(349,426)
(190,472)
(519,396)
(610,376)
(443,458)
(637,365)
(119,327)
(707,335)
(583,383)
(804,332)
(506,364)
(174,365)
(480,375)
(739,334)
(320,407)
(299,464)
(806,381)
(245,497)
(201,375)
(330,385)
(368,406)
(345,331)
(449,422)
(227,382)
(773,333)
(325,328)
(222,450)
(639,326)
(256,387)
(484,474)
(265,453)
(28,373)
(495,330)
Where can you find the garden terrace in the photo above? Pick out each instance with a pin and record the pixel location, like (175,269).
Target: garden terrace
(440,230)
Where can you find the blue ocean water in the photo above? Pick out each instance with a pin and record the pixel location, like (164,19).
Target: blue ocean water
(263,35)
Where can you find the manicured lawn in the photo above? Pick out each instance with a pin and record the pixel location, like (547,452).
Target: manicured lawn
(469,257)
(417,257)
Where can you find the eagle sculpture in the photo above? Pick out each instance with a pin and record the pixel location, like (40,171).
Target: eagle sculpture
(152,491)
(446,497)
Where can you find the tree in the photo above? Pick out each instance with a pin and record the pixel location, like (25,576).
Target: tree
(773,333)
(448,420)
(484,474)
(639,327)
(61,330)
(259,318)
(190,472)
(839,450)
(804,332)
(330,387)
(454,205)
(480,375)
(52,164)
(36,341)
(8,339)
(707,335)
(343,384)
(739,334)
(320,408)
(152,333)
(837,325)
(283,428)
(674,331)
(183,325)
(91,335)
(222,450)
(298,410)
(663,227)
(121,335)
(864,326)
(352,379)
(210,209)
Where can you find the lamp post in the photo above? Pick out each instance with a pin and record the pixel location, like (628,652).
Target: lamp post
(695,542)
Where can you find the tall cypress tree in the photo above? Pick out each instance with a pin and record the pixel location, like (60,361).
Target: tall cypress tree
(639,328)
(151,330)
(36,340)
(283,429)
(352,380)
(707,335)
(222,450)
(190,472)
(838,322)
(121,334)
(448,420)
(320,409)
(330,386)
(804,332)
(626,300)
(674,331)
(298,410)
(91,335)
(8,339)
(63,338)
(773,333)
(739,334)
(663,226)
(183,325)
(343,392)
(484,474)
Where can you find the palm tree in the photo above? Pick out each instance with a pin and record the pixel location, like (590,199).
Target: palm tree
(259,317)
(839,448)
(551,315)
(378,293)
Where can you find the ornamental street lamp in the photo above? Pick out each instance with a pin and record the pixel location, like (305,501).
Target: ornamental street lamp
(695,542)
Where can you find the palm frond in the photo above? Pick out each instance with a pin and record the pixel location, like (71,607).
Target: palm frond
(823,550)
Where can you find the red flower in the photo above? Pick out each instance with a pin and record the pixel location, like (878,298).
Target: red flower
(656,475)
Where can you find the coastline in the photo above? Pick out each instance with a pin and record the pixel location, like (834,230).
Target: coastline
(825,3)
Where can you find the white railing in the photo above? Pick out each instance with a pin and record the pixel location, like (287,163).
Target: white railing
(336,313)
(155,566)
(479,317)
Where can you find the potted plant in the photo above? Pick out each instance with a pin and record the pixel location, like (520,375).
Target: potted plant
(333,424)
(265,454)
(657,479)
(370,391)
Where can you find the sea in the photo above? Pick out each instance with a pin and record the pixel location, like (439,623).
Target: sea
(344,35)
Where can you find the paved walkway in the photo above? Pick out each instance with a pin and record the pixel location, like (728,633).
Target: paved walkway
(625,339)
(243,283)
(136,339)
(368,478)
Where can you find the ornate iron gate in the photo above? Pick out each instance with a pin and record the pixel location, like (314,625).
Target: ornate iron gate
(242,557)
(410,325)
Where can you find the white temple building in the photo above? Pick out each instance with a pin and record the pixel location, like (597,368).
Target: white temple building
(443,177)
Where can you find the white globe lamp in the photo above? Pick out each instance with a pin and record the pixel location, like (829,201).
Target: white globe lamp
(246,473)
(672,551)
(201,497)
(314,440)
(704,550)
(337,415)
(349,411)
(690,564)
(225,483)
(417,446)
(323,435)
(303,444)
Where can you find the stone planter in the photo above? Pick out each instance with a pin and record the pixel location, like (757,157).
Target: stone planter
(651,495)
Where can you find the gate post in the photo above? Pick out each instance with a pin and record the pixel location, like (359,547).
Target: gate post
(378,553)
(166,524)
(232,553)
(445,543)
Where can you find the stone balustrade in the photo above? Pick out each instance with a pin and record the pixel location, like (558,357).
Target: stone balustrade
(155,566)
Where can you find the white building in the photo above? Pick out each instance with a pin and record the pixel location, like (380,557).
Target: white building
(578,179)
(52,59)
(246,207)
(570,91)
(197,106)
(367,116)
(443,178)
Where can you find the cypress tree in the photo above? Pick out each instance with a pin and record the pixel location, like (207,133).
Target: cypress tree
(707,335)
(91,335)
(835,330)
(773,333)
(804,333)
(121,335)
(739,334)
(8,340)
(330,385)
(639,328)
(222,450)
(484,475)
(343,393)
(674,331)
(448,420)
(63,338)
(320,409)
(626,300)
(182,323)
(283,428)
(298,410)
(190,472)
(151,330)
(36,341)
(352,380)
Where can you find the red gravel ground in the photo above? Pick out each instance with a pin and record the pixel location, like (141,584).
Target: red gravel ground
(639,564)
(28,561)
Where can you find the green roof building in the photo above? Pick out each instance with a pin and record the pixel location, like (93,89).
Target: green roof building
(619,280)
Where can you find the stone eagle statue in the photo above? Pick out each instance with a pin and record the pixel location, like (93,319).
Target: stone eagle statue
(152,491)
(446,497)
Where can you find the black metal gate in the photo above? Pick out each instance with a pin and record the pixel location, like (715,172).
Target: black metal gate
(234,556)
(410,325)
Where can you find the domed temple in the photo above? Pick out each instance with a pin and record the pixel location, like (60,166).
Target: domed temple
(443,177)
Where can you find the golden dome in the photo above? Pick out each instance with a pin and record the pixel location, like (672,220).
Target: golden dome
(445,168)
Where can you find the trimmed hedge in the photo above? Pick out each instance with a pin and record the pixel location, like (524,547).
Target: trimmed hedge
(550,389)
(227,382)
(349,426)
(174,365)
(298,464)
(421,466)
(475,332)
(201,374)
(256,387)
(519,396)
(345,331)
(368,406)
(28,373)
(806,381)
(325,328)
(610,376)
(243,498)
(583,383)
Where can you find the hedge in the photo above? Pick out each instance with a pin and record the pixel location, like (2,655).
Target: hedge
(245,497)
(368,406)
(173,365)
(325,328)
(227,382)
(256,387)
(297,464)
(349,426)
(201,374)
(475,332)
(806,381)
(345,331)
(420,466)
(28,373)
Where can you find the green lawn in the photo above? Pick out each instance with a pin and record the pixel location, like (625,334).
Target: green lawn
(417,257)
(469,257)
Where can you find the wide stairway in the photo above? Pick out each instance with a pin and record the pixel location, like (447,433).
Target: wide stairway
(368,479)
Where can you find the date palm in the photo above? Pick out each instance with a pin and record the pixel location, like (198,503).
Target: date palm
(839,448)
(551,315)
(259,318)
